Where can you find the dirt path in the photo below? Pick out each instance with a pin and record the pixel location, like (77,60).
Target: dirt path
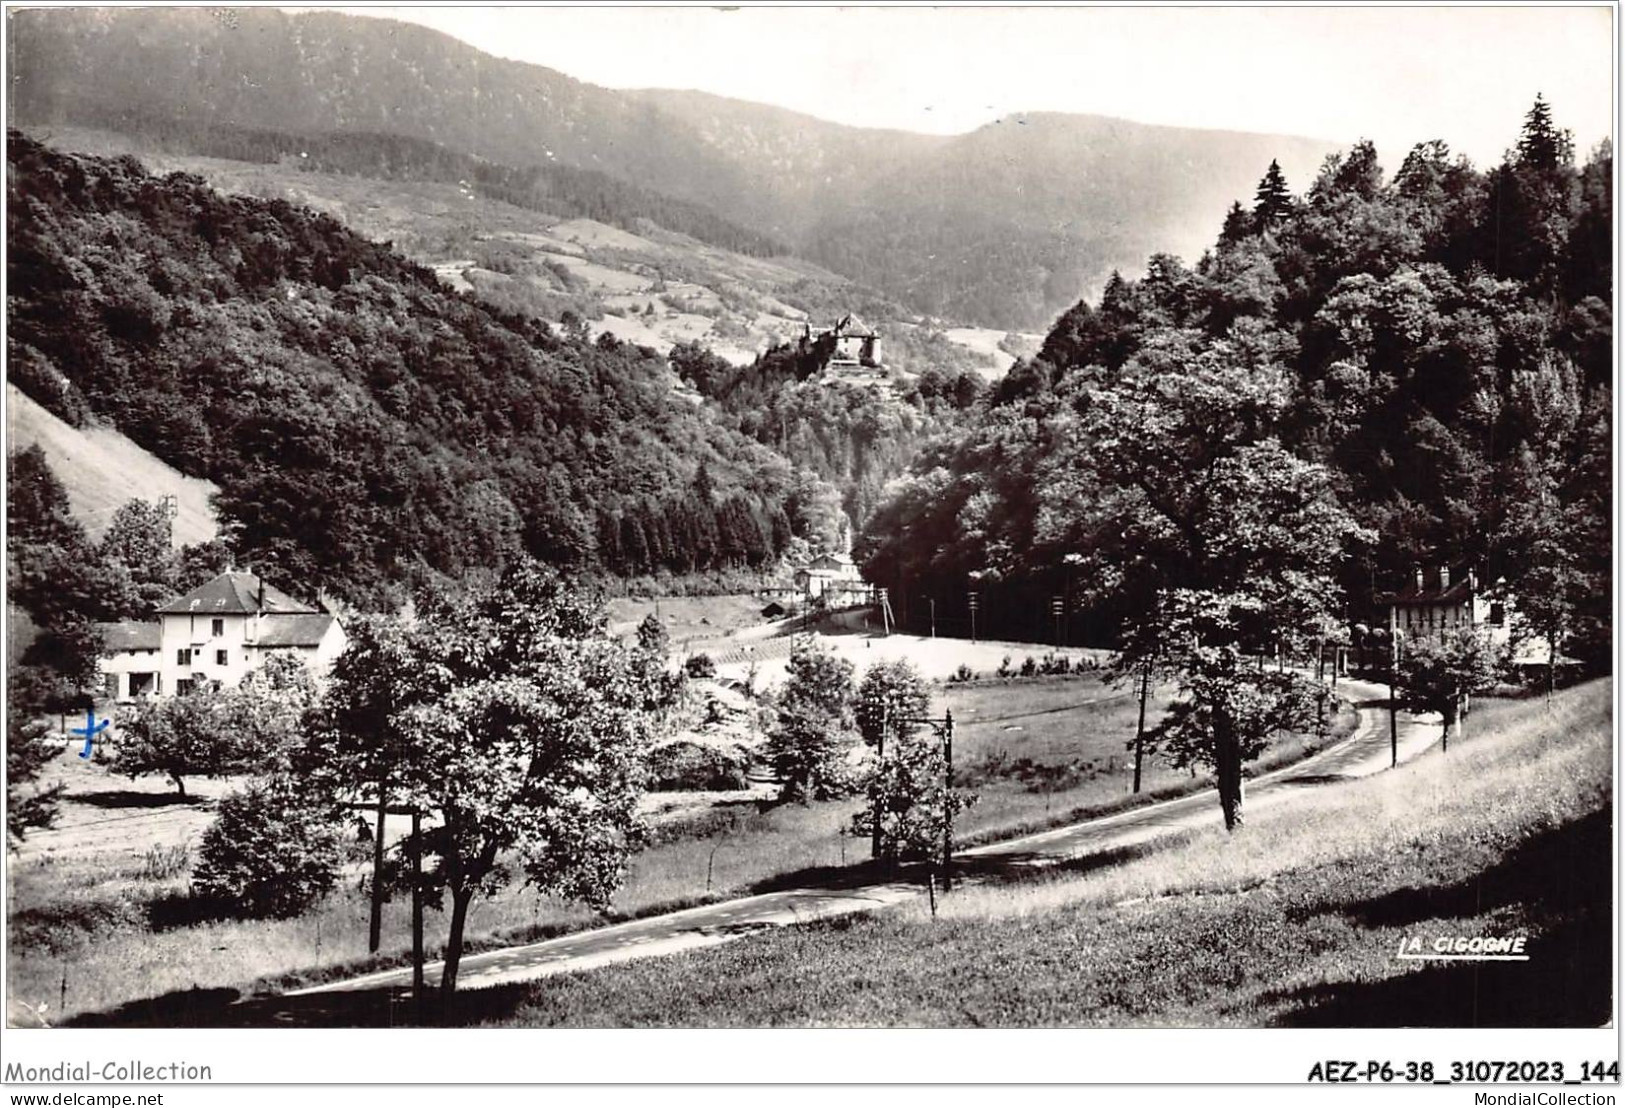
(1364,753)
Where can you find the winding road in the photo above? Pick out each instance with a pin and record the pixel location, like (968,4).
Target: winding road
(1365,752)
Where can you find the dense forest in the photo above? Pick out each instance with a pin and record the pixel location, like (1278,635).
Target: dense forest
(368,427)
(1439,342)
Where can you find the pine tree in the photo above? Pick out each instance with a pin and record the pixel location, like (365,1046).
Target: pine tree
(1543,145)
(1274,200)
(1238,225)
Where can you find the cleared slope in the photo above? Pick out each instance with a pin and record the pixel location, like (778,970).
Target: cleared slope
(102,469)
(1294,921)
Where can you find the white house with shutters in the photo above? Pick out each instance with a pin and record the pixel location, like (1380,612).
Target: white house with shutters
(217,632)
(1437,600)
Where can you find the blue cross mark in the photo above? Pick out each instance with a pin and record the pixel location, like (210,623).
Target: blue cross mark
(90,730)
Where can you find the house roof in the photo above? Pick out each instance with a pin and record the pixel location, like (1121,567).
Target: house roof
(294,630)
(233,593)
(1459,592)
(1431,590)
(851,325)
(131,634)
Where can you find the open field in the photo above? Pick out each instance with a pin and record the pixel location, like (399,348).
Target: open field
(102,897)
(1295,920)
(1001,347)
(1041,752)
(688,618)
(100,916)
(101,469)
(935,658)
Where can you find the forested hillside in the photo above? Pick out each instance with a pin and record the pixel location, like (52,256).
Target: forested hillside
(1438,340)
(367,426)
(856,437)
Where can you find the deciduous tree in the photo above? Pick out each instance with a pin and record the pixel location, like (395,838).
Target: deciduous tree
(814,732)
(515,723)
(275,848)
(178,736)
(1437,673)
(29,749)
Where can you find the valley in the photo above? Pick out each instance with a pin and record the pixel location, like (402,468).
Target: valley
(1073,572)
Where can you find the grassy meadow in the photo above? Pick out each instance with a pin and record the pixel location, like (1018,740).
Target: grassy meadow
(100,914)
(1293,921)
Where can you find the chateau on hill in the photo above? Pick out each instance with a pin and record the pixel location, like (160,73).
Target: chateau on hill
(851,342)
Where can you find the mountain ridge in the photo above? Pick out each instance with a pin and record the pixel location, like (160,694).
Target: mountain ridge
(947,223)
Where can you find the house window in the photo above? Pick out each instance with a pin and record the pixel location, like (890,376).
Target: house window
(1498,614)
(183,687)
(217,627)
(220,657)
(183,656)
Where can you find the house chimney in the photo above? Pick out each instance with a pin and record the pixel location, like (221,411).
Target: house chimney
(1421,582)
(1444,577)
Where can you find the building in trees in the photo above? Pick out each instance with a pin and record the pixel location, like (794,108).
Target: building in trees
(130,660)
(219,632)
(834,575)
(850,343)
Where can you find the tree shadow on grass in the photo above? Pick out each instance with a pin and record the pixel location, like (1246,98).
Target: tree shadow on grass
(197,1008)
(1566,983)
(1560,882)
(172,910)
(131,798)
(1551,874)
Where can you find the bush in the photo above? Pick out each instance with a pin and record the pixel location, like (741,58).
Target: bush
(1029,668)
(699,666)
(163,863)
(1054,664)
(652,636)
(691,766)
(1004,666)
(962,674)
(271,852)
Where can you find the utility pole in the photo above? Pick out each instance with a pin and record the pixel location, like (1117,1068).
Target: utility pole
(375,923)
(417,913)
(947,798)
(933,603)
(1056,604)
(1139,730)
(880,763)
(383,808)
(1393,686)
(973,616)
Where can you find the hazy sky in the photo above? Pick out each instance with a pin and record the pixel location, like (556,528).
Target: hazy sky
(1397,76)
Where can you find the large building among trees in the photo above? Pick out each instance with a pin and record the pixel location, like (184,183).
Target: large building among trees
(218,632)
